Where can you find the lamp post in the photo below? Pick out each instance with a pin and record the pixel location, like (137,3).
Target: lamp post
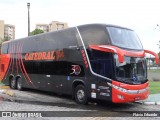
(28,5)
(159,44)
(158,28)
(159,41)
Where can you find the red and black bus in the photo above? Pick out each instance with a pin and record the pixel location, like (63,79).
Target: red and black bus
(94,61)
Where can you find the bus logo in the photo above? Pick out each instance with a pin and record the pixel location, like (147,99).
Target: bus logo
(76,69)
(134,78)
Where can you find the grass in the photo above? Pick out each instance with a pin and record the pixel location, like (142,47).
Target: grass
(154,87)
(154,70)
(1,83)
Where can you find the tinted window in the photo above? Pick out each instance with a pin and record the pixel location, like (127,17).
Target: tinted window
(30,45)
(101,63)
(58,40)
(124,38)
(4,48)
(52,68)
(94,35)
(50,41)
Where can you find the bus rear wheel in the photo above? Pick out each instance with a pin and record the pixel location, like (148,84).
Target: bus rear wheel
(13,84)
(19,84)
(80,95)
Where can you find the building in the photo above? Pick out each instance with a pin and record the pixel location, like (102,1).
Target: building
(44,27)
(54,25)
(1,29)
(6,31)
(9,31)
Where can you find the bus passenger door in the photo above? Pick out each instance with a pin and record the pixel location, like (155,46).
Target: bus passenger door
(60,81)
(55,72)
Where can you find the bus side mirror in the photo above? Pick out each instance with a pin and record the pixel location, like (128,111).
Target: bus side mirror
(154,54)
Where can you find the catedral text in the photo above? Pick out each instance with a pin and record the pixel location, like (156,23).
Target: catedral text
(50,55)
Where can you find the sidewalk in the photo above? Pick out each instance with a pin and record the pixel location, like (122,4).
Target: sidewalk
(6,90)
(2,86)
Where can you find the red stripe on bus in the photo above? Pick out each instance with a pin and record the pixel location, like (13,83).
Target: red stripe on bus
(25,72)
(17,51)
(19,61)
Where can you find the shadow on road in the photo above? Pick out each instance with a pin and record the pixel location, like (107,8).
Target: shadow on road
(69,103)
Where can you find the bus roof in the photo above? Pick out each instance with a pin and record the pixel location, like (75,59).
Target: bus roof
(85,25)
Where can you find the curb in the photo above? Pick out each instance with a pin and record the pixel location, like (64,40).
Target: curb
(148,102)
(152,103)
(5,90)
(4,87)
(9,92)
(153,99)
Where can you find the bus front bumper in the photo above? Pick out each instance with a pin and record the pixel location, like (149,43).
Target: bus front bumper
(122,92)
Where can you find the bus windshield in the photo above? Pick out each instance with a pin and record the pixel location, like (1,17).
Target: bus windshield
(132,70)
(124,38)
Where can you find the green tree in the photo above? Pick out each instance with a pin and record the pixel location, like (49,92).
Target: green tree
(1,40)
(36,31)
(7,38)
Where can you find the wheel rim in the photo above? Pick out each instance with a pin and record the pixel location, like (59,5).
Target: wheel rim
(80,95)
(13,82)
(19,84)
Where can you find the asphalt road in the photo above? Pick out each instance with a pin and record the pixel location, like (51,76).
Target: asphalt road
(64,106)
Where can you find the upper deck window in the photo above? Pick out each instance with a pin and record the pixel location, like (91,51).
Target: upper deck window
(94,35)
(4,48)
(124,38)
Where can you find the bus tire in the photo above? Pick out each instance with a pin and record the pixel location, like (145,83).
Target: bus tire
(80,95)
(13,83)
(19,84)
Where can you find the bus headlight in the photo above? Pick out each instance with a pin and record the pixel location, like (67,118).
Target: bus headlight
(117,87)
(127,91)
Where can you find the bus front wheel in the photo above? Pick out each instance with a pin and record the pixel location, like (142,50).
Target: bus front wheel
(80,95)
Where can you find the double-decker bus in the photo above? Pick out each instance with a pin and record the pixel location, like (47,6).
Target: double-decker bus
(93,61)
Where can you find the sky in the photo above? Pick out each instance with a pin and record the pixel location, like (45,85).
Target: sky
(139,15)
